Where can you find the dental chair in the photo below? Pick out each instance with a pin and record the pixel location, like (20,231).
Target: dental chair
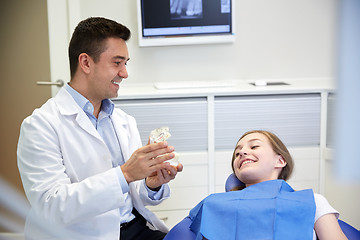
(181,231)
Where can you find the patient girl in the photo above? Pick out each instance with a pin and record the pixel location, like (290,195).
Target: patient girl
(266,207)
(260,156)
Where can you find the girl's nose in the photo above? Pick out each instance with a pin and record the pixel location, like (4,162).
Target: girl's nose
(243,153)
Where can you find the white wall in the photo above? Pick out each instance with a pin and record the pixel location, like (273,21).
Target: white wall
(274,39)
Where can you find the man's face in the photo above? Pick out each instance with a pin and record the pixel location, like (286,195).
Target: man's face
(108,72)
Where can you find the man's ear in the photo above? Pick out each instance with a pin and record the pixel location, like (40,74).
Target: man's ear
(280,163)
(85,62)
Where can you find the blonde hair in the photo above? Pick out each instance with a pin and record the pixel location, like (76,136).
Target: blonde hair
(279,148)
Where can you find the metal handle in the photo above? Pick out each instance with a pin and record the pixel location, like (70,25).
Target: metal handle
(58,83)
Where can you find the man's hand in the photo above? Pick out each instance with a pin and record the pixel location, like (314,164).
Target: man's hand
(146,161)
(163,175)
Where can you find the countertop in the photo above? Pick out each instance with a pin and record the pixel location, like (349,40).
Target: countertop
(129,90)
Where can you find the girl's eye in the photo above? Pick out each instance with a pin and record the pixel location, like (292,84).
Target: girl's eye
(237,154)
(253,147)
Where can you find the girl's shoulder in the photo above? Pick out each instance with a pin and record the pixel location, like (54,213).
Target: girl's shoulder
(323,207)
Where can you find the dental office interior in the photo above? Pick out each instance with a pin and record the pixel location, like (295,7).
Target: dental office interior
(291,68)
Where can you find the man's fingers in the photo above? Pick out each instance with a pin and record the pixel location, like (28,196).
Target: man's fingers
(154,146)
(162,152)
(158,163)
(179,167)
(147,160)
(166,175)
(161,159)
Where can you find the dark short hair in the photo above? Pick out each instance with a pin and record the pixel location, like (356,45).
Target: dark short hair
(90,37)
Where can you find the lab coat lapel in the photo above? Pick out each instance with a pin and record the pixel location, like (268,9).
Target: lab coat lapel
(68,106)
(85,123)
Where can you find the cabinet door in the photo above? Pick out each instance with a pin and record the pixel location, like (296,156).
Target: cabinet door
(294,118)
(187,119)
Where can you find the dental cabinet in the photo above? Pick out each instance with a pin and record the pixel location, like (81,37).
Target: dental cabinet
(205,124)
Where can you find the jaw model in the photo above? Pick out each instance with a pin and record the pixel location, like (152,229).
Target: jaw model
(162,134)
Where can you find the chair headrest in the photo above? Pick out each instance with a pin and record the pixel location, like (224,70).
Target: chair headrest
(232,181)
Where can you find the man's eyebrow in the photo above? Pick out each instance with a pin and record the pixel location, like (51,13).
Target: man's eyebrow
(121,57)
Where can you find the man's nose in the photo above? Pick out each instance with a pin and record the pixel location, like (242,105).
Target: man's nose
(123,73)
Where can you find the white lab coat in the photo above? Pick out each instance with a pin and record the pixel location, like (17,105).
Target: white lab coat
(68,177)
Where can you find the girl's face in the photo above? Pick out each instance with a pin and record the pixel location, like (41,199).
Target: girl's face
(255,160)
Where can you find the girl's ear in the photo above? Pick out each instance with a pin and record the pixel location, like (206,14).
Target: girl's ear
(280,163)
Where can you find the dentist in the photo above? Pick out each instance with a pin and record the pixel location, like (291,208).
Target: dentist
(83,168)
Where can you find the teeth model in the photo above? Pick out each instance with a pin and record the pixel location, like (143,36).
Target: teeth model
(159,134)
(162,134)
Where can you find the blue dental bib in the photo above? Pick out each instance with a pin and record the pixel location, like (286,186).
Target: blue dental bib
(267,210)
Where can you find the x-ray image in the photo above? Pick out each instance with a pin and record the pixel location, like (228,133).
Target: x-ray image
(183,9)
(225,6)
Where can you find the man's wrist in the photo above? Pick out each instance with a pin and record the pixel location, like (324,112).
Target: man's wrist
(153,189)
